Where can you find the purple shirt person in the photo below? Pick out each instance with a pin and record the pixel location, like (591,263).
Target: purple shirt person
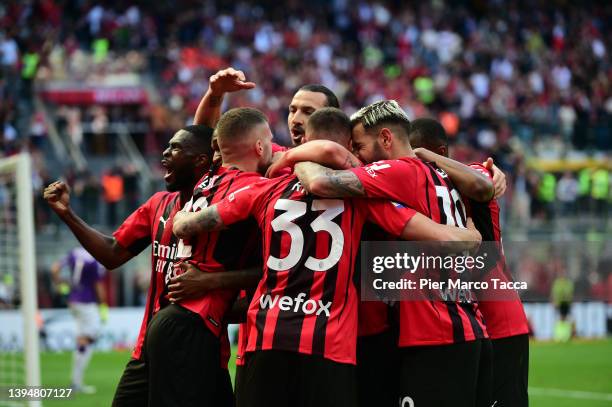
(85,273)
(86,292)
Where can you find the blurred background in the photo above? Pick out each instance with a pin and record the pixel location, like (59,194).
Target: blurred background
(94,89)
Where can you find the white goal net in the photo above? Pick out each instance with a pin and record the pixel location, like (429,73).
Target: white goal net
(19,355)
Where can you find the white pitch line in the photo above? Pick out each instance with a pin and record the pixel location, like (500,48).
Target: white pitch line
(573,394)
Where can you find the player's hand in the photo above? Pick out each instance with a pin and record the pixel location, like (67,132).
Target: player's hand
(57,196)
(228,80)
(103,310)
(499,178)
(192,283)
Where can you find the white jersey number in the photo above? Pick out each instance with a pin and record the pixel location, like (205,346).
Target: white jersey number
(294,209)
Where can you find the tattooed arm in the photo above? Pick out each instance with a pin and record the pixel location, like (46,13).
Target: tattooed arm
(328,183)
(324,152)
(186,224)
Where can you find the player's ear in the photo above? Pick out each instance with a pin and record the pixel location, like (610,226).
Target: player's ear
(442,150)
(259,148)
(386,138)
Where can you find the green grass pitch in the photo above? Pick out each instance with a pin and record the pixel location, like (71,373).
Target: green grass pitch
(561,375)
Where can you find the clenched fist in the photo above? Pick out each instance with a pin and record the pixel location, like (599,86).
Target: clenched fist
(57,196)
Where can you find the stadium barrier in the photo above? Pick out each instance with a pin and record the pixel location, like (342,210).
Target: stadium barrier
(123,325)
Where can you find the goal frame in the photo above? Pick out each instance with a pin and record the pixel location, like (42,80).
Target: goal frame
(21,166)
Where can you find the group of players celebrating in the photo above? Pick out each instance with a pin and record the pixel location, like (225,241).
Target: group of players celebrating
(266,236)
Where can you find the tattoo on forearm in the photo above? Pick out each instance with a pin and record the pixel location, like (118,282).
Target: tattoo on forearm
(350,161)
(344,183)
(205,220)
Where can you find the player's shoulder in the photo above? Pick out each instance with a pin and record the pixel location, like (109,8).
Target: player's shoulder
(161,196)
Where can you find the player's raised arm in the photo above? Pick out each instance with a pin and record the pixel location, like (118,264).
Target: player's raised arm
(328,183)
(103,248)
(470,182)
(225,81)
(187,224)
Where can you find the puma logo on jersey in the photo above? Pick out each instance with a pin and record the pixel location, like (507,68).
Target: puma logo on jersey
(162,220)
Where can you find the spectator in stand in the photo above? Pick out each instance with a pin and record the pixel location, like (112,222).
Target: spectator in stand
(131,188)
(112,184)
(90,198)
(567,193)
(600,192)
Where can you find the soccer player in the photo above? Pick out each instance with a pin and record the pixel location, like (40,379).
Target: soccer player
(88,305)
(506,320)
(302,321)
(244,140)
(431,333)
(186,160)
(304,103)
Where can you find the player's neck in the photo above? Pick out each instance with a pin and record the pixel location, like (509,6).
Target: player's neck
(403,150)
(244,164)
(185,195)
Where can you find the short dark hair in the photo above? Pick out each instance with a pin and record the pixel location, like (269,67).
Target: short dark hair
(330,123)
(201,138)
(235,122)
(381,114)
(330,97)
(428,133)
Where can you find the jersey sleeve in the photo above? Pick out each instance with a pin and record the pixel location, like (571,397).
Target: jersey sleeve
(482,169)
(134,234)
(390,216)
(242,203)
(386,179)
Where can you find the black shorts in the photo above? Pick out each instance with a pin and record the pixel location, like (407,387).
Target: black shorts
(377,370)
(225,393)
(485,375)
(133,387)
(511,371)
(183,356)
(238,382)
(440,376)
(290,379)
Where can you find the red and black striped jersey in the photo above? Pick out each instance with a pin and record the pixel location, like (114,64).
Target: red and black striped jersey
(151,223)
(374,316)
(503,318)
(242,337)
(426,189)
(306,301)
(234,248)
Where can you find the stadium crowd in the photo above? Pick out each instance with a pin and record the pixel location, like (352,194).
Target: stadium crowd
(505,84)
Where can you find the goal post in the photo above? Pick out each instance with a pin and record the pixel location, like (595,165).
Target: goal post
(18,213)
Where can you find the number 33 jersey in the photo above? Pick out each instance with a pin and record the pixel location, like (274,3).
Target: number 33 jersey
(306,301)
